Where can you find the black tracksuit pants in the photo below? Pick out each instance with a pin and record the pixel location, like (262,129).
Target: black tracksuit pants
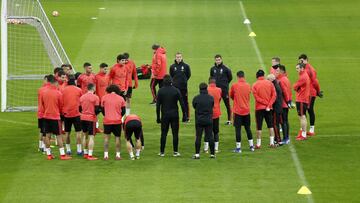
(165,124)
(208,136)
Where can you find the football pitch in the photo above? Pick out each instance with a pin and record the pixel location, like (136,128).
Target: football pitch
(328,163)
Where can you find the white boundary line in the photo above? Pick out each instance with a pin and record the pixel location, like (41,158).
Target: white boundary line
(292,149)
(18,122)
(252,39)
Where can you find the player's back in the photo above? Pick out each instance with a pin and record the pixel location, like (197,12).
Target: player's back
(112,104)
(240,92)
(71,99)
(88,102)
(52,103)
(215,92)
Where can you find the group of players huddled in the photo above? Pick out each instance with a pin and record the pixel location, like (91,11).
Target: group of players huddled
(67,99)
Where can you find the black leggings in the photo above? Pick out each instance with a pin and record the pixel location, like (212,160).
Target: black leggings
(208,136)
(225,98)
(153,84)
(285,123)
(311,111)
(215,130)
(242,121)
(277,119)
(165,124)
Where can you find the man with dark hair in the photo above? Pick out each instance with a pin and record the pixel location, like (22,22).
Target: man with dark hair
(240,94)
(265,96)
(56,75)
(314,91)
(302,88)
(287,101)
(86,78)
(113,106)
(181,73)
(203,105)
(215,92)
(40,114)
(52,103)
(158,69)
(275,63)
(167,103)
(71,101)
(223,77)
(67,68)
(90,107)
(133,124)
(132,75)
(118,75)
(63,80)
(277,107)
(102,80)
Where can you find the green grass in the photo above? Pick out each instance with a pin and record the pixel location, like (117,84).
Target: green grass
(327,31)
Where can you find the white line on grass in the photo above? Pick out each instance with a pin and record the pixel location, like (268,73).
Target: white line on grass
(18,122)
(253,41)
(292,149)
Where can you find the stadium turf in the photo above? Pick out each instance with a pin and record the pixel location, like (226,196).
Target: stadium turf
(325,30)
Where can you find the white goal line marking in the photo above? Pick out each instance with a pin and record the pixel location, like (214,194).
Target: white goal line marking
(292,149)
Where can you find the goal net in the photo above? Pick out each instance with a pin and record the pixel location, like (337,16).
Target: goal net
(30,49)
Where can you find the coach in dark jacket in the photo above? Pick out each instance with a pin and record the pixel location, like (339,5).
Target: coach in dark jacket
(277,107)
(167,102)
(223,77)
(180,73)
(203,105)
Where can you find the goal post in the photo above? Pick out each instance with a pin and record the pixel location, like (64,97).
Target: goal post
(30,49)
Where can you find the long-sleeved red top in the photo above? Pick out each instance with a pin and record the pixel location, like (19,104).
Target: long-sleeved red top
(286,89)
(302,88)
(118,76)
(132,74)
(264,94)
(102,81)
(40,113)
(240,93)
(315,86)
(158,66)
(52,103)
(85,79)
(216,93)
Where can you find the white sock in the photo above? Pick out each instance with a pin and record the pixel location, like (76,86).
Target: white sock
(41,144)
(271,140)
(90,152)
(206,146)
(122,119)
(68,149)
(251,143)
(86,151)
(258,142)
(216,145)
(56,141)
(117,154)
(48,151)
(106,154)
(197,155)
(303,133)
(138,152)
(62,151)
(131,154)
(238,145)
(312,129)
(97,124)
(78,147)
(127,111)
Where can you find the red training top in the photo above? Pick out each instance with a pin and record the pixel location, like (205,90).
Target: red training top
(41,90)
(132,117)
(302,88)
(102,81)
(158,66)
(85,79)
(216,93)
(52,103)
(286,89)
(240,93)
(118,76)
(132,73)
(88,102)
(315,86)
(112,104)
(264,94)
(71,100)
